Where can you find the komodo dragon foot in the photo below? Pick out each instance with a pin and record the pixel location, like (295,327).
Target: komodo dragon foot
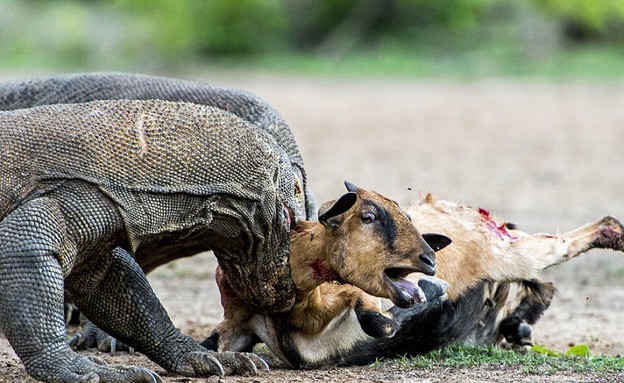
(91,370)
(195,363)
(92,336)
(149,328)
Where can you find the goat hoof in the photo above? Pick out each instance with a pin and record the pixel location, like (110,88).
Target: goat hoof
(524,330)
(611,235)
(516,331)
(375,324)
(433,287)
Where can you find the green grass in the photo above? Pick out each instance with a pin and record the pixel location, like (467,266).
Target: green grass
(590,62)
(544,362)
(586,62)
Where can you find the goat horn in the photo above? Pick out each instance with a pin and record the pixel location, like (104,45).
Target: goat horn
(351,187)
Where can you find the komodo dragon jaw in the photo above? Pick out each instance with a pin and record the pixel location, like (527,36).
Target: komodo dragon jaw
(159,168)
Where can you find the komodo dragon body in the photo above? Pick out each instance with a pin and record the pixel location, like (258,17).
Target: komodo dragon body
(79,183)
(77,88)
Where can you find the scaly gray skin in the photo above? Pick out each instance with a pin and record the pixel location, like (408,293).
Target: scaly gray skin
(84,185)
(77,88)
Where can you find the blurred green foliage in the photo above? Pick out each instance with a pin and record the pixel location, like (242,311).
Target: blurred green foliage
(484,35)
(218,27)
(588,19)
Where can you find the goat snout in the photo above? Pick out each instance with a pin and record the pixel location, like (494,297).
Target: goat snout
(427,261)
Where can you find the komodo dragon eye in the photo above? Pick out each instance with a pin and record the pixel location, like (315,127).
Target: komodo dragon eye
(368,217)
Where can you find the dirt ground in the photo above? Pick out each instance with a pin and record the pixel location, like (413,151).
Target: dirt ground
(546,155)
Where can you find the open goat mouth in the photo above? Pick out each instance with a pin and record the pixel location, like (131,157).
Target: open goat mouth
(404,293)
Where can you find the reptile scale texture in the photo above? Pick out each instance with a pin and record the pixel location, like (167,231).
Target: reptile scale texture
(85,187)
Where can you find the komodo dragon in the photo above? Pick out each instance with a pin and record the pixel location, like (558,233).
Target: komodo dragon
(84,87)
(79,183)
(76,88)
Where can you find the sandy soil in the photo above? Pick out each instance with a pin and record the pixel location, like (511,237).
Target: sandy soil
(545,155)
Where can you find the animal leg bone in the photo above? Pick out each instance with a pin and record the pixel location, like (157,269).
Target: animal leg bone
(530,254)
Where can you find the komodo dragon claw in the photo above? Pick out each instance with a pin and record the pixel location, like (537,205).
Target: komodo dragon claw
(97,360)
(264,366)
(76,340)
(92,336)
(143,375)
(107,373)
(132,374)
(200,363)
(113,345)
(258,362)
(139,375)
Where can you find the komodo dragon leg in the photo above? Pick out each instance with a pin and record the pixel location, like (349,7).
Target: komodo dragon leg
(31,291)
(36,252)
(122,288)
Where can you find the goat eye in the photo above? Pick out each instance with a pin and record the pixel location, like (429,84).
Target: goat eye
(368,217)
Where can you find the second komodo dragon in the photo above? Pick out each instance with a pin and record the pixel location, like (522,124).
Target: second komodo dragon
(83,187)
(84,87)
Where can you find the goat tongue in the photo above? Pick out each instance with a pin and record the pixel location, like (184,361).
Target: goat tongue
(409,292)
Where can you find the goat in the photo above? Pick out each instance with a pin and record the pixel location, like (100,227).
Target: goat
(484,262)
(362,239)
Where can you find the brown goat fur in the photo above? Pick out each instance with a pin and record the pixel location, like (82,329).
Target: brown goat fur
(362,239)
(484,250)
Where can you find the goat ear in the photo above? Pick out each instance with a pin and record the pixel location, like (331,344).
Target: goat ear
(437,241)
(341,205)
(351,187)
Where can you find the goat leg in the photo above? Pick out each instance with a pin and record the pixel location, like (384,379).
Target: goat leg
(531,254)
